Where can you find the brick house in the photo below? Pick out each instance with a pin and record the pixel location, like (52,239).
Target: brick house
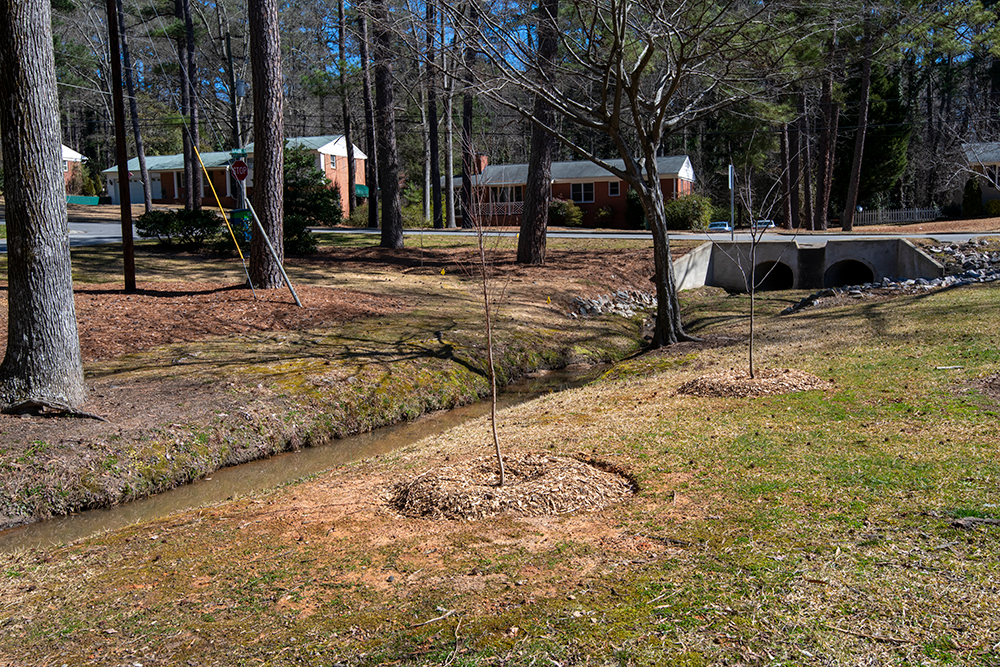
(72,163)
(166,173)
(499,189)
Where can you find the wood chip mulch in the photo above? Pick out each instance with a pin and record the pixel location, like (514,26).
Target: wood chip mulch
(737,383)
(536,484)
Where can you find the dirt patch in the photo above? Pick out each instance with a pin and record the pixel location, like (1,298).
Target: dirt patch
(991,386)
(734,383)
(535,485)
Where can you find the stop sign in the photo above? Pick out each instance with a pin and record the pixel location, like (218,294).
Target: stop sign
(240,170)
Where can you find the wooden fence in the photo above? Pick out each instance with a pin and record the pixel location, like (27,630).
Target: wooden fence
(896,216)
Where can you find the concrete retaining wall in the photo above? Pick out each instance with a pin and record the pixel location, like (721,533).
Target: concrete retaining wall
(803,264)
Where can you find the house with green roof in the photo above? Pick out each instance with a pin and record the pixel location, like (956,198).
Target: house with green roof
(166,173)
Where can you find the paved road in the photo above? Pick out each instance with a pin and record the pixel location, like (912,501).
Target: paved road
(95,233)
(87,233)
(941,237)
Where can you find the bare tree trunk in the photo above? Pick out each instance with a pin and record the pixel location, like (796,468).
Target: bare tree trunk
(795,171)
(42,365)
(829,115)
(847,220)
(134,111)
(449,133)
(385,128)
(807,180)
(786,182)
(371,164)
(185,111)
(342,66)
(269,142)
(432,115)
(468,149)
(538,189)
(196,180)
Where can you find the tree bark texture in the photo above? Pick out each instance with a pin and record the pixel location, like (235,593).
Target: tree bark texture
(786,179)
(192,79)
(538,189)
(807,180)
(134,111)
(185,111)
(371,164)
(432,116)
(829,115)
(468,149)
(42,363)
(342,66)
(847,220)
(385,129)
(668,329)
(269,142)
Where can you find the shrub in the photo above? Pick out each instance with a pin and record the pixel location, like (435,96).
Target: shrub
(307,192)
(972,199)
(993,208)
(157,224)
(298,239)
(635,216)
(605,216)
(360,216)
(194,228)
(688,212)
(565,213)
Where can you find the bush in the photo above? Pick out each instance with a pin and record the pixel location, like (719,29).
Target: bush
(993,208)
(635,216)
(192,228)
(298,239)
(360,216)
(160,225)
(307,192)
(565,213)
(972,199)
(688,212)
(605,216)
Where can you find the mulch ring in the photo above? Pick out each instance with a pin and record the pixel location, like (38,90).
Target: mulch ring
(535,485)
(734,383)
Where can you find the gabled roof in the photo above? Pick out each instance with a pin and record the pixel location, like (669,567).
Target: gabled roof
(328,144)
(676,166)
(212,160)
(70,155)
(982,153)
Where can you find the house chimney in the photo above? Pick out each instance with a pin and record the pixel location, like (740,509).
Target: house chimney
(481,161)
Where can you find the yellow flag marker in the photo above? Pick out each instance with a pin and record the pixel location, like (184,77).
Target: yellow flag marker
(442,272)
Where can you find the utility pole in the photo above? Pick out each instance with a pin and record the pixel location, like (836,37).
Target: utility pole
(128,249)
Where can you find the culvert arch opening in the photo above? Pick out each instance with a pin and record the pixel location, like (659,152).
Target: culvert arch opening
(848,272)
(773,276)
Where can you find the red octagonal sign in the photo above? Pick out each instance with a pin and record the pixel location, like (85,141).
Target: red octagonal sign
(240,170)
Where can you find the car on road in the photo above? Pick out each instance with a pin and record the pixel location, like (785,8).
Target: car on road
(763,224)
(720,226)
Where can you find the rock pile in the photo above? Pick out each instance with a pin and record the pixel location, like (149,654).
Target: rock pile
(965,264)
(626,303)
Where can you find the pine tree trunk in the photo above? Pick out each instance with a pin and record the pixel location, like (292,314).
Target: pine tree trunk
(197,185)
(189,157)
(449,133)
(432,116)
(385,129)
(538,189)
(786,180)
(371,145)
(847,220)
(807,180)
(269,142)
(468,147)
(342,48)
(134,111)
(42,364)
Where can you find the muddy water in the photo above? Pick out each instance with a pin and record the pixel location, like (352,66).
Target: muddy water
(272,472)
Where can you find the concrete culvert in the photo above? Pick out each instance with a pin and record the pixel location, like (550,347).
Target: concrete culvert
(848,272)
(773,276)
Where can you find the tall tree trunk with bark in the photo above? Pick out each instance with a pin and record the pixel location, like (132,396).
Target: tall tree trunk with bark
(342,49)
(189,157)
(829,116)
(786,180)
(42,365)
(269,142)
(538,189)
(795,171)
(196,179)
(385,129)
(847,220)
(133,110)
(432,115)
(449,134)
(807,180)
(468,148)
(371,145)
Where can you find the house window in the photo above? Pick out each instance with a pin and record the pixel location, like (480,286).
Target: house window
(65,165)
(992,173)
(614,188)
(507,194)
(582,193)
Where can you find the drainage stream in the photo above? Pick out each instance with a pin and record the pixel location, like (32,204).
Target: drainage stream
(271,472)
